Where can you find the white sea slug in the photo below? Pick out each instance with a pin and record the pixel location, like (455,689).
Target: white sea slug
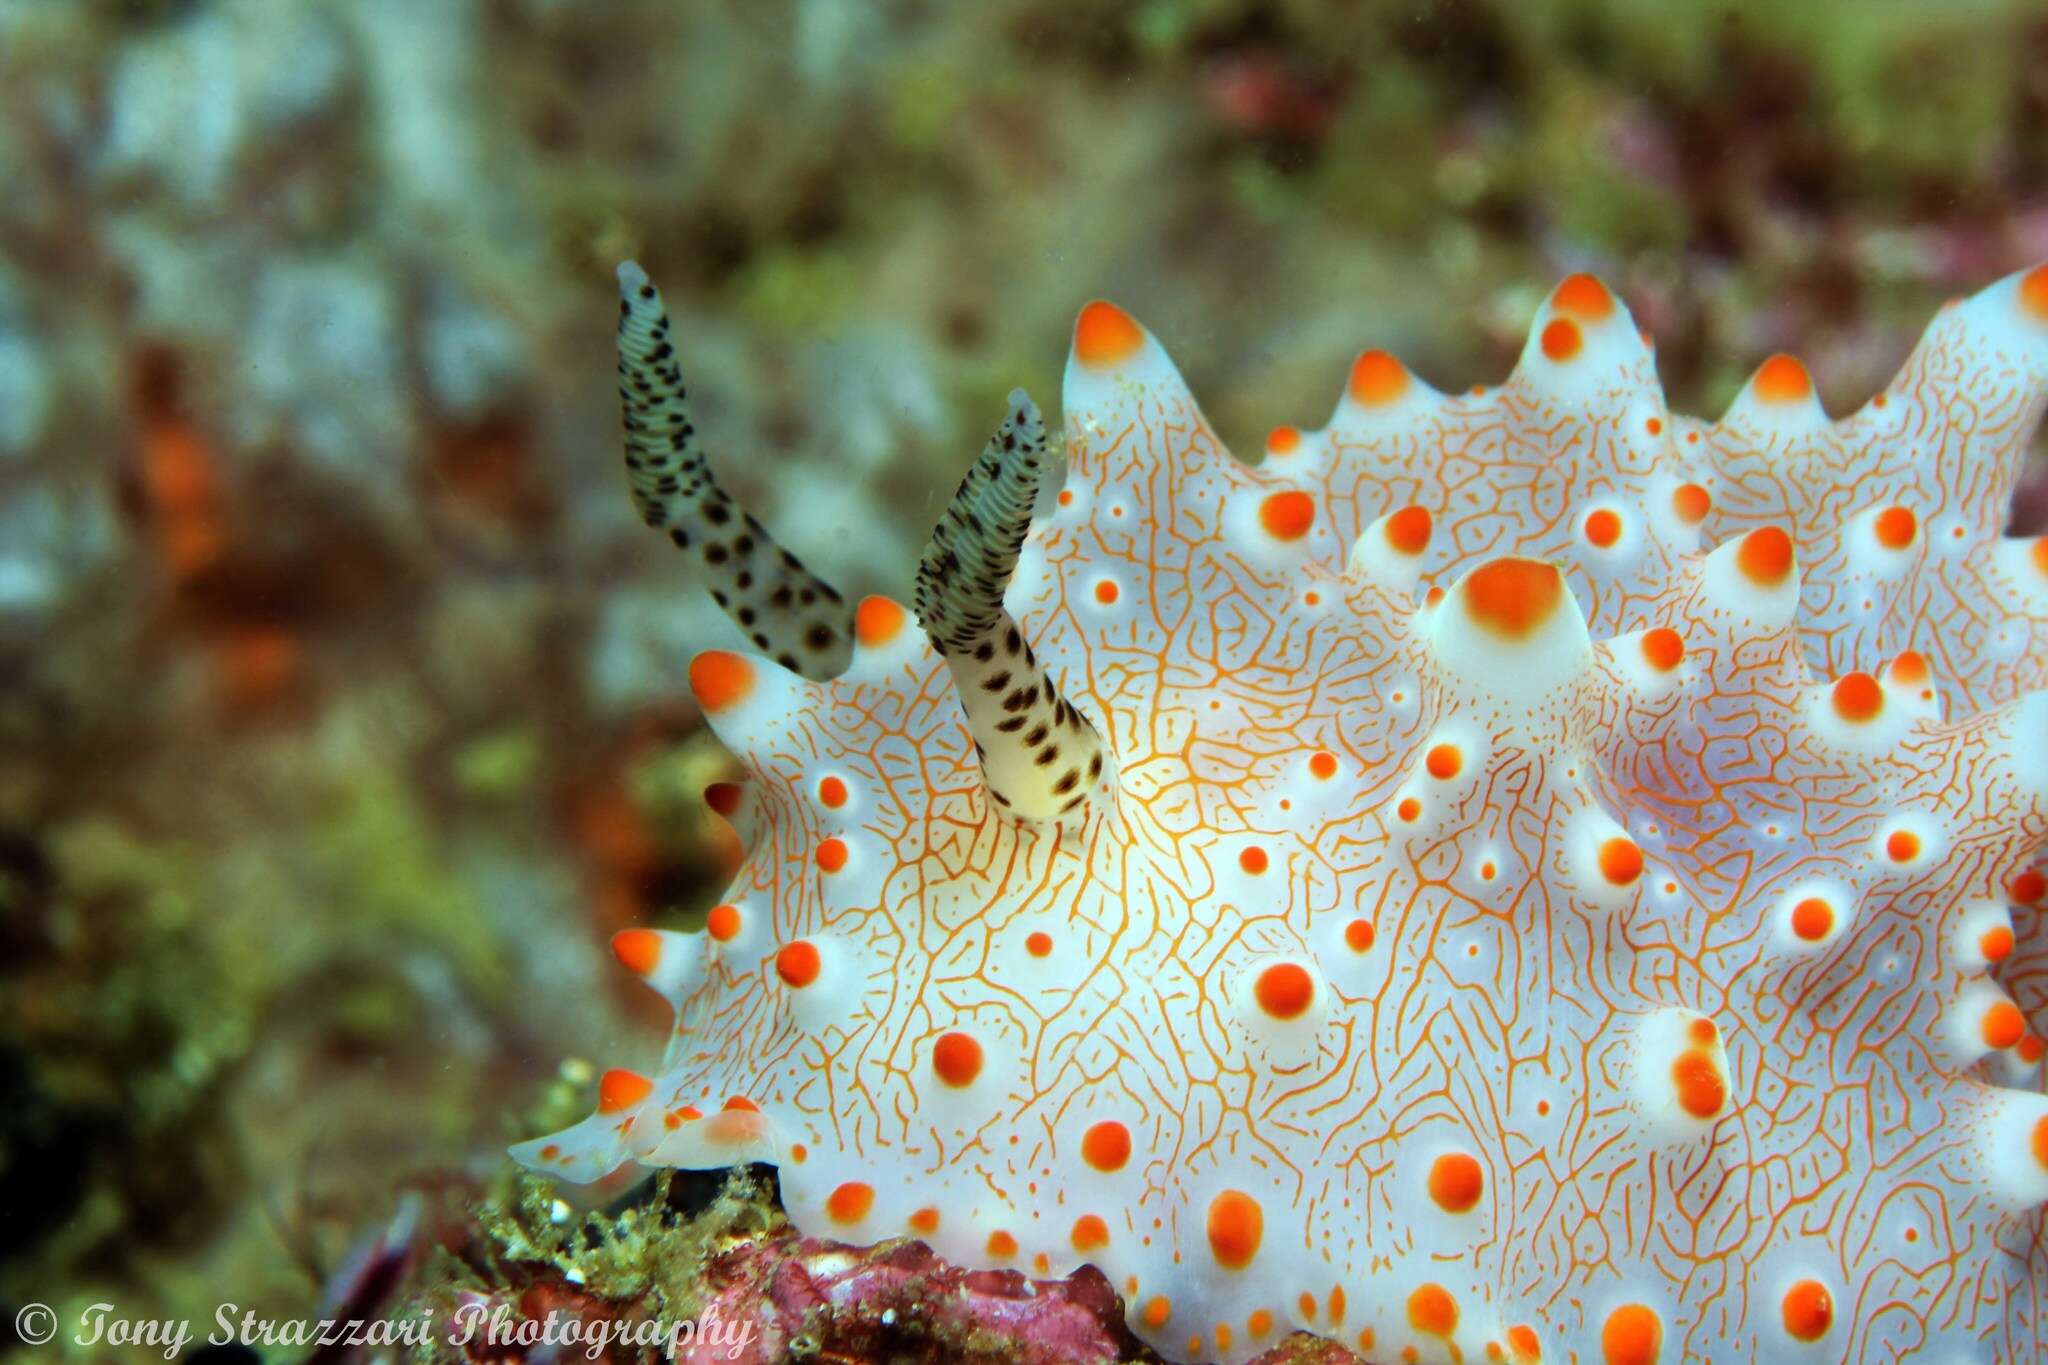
(1606,955)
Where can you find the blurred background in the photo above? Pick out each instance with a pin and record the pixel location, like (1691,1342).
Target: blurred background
(341,716)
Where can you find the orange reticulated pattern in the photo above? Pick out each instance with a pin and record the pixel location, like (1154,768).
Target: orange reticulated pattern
(1435,972)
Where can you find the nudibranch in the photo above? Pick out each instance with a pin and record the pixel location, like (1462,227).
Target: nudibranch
(1513,875)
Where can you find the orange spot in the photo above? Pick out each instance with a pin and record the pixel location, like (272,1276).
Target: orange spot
(2034,292)
(1322,764)
(1252,860)
(925,1221)
(1089,1233)
(1603,528)
(1337,1306)
(1038,943)
(1377,378)
(1066,497)
(552,1150)
(832,855)
(1283,441)
(1522,1341)
(1632,1335)
(799,1153)
(1410,809)
(719,679)
(1288,515)
(2031,1048)
(741,1102)
(1236,1227)
(1001,1245)
(1996,944)
(1222,1337)
(638,950)
(723,923)
(1809,1310)
(831,792)
(1285,990)
(850,1202)
(1157,1311)
(2040,1143)
(1690,503)
(1106,591)
(2003,1024)
(877,621)
(1585,296)
(1365,1338)
(1561,339)
(1655,426)
(2041,555)
(1432,597)
(1701,1091)
(1813,919)
(1895,528)
(1765,556)
(1456,1182)
(956,1059)
(1703,1032)
(1663,649)
(1432,1309)
(1359,935)
(620,1089)
(1408,530)
(1512,597)
(1105,335)
(1858,698)
(1106,1146)
(1782,379)
(1443,761)
(2027,887)
(797,963)
(1621,862)
(1902,846)
(1910,667)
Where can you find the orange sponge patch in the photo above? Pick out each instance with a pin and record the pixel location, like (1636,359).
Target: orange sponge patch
(1512,597)
(1106,335)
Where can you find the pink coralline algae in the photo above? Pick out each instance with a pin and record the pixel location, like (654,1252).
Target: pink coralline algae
(1625,950)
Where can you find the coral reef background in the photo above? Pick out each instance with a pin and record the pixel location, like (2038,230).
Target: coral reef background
(341,717)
